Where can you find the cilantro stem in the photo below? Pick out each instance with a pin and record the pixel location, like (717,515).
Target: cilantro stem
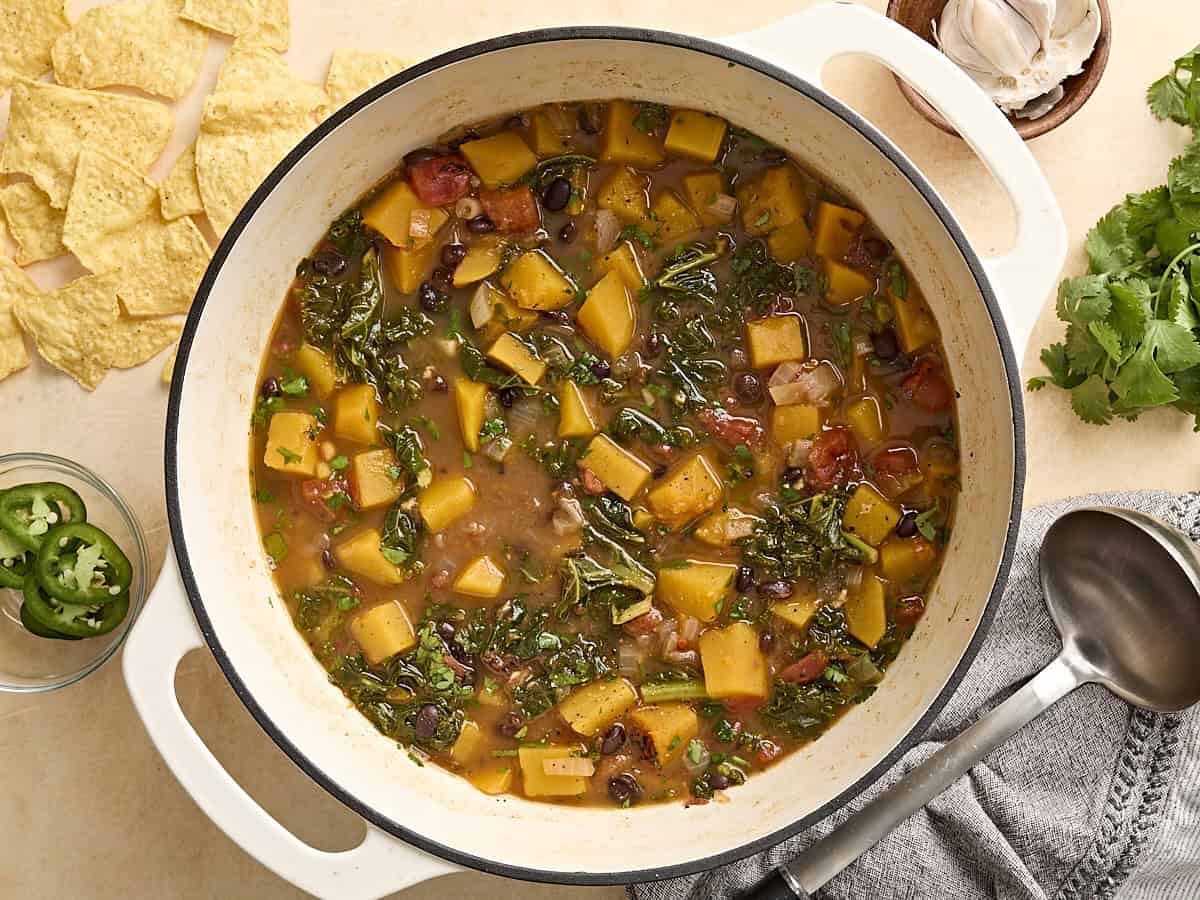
(1166,275)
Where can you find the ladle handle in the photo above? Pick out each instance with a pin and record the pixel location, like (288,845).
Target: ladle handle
(862,831)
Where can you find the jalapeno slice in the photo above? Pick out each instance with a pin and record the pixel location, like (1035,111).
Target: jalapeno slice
(29,511)
(33,626)
(80,565)
(68,619)
(14,562)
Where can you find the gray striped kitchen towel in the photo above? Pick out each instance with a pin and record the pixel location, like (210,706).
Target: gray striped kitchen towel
(1094,799)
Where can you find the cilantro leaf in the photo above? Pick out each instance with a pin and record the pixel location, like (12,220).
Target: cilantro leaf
(1083,351)
(1141,383)
(1083,299)
(1109,246)
(1174,346)
(1146,210)
(1168,100)
(1090,400)
(1108,339)
(1130,309)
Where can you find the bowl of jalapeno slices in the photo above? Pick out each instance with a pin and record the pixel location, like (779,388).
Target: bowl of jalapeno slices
(73,567)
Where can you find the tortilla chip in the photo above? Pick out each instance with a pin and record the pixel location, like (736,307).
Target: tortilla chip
(65,325)
(48,125)
(180,192)
(136,44)
(252,67)
(267,20)
(168,369)
(164,269)
(353,71)
(28,29)
(130,342)
(15,286)
(35,225)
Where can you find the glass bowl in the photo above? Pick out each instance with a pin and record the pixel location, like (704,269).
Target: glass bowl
(30,664)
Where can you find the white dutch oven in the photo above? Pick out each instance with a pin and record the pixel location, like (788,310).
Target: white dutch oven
(217,589)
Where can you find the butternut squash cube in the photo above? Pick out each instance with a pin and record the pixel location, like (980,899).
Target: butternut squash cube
(469,399)
(371,479)
(593,707)
(790,243)
(701,190)
(535,282)
(505,316)
(775,339)
(691,489)
(797,613)
(869,515)
(575,418)
(362,556)
(697,135)
(623,142)
(773,199)
(794,423)
(482,578)
(671,220)
(446,501)
(317,366)
(292,443)
(915,325)
(356,414)
(642,519)
(694,587)
(608,315)
(865,419)
(383,631)
(482,259)
(733,665)
(495,778)
(408,267)
(499,159)
(903,558)
(390,213)
(469,745)
(515,356)
(489,693)
(622,472)
(624,261)
(669,727)
(846,284)
(537,782)
(725,528)
(548,139)
(866,616)
(835,228)
(624,193)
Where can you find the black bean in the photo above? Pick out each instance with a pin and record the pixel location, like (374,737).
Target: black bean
(439,384)
(556,194)
(658,471)
(875,248)
(654,343)
(613,740)
(270,387)
(907,526)
(419,156)
(327,559)
(452,255)
(329,263)
(566,234)
(558,316)
(745,579)
(718,782)
(748,387)
(884,344)
(426,723)
(624,789)
(480,225)
(446,630)
(776,590)
(441,278)
(766,641)
(792,474)
(601,369)
(508,396)
(517,121)
(510,725)
(469,134)
(589,119)
(430,298)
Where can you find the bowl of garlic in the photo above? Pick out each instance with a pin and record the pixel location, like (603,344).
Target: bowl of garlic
(1039,60)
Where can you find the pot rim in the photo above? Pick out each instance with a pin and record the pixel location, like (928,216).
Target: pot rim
(552,35)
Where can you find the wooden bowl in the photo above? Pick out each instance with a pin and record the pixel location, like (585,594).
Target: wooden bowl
(918,15)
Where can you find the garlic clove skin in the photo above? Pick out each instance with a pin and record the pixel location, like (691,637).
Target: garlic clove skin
(1038,13)
(999,33)
(1039,106)
(1068,15)
(954,43)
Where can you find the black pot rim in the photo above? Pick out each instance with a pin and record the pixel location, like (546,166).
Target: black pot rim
(552,35)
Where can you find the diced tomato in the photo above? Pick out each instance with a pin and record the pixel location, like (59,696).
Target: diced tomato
(909,610)
(317,493)
(440,180)
(767,751)
(743,706)
(807,669)
(833,458)
(732,430)
(897,470)
(927,387)
(646,623)
(591,483)
(511,209)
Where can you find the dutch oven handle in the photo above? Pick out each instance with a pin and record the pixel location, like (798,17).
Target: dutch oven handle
(1023,277)
(166,631)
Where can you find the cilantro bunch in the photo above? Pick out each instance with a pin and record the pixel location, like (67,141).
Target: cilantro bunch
(1131,321)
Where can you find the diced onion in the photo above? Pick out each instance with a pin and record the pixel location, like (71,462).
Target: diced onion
(690,629)
(862,344)
(854,576)
(568,517)
(863,670)
(468,208)
(700,763)
(684,658)
(608,226)
(497,448)
(420,224)
(798,451)
(555,355)
(811,385)
(629,658)
(482,309)
(723,206)
(571,765)
(524,416)
(785,373)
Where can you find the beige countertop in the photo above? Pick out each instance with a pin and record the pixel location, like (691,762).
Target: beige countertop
(89,809)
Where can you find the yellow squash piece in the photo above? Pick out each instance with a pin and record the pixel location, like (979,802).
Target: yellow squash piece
(689,490)
(575,418)
(548,138)
(536,782)
(469,400)
(446,501)
(499,159)
(701,190)
(775,339)
(608,315)
(390,213)
(696,135)
(846,284)
(790,243)
(794,423)
(733,665)
(494,778)
(593,707)
(515,356)
(361,555)
(624,261)
(835,229)
(773,199)
(506,316)
(670,219)
(624,193)
(535,282)
(866,616)
(623,142)
(915,325)
(622,472)
(372,481)
(668,727)
(408,268)
(869,515)
(797,613)
(356,414)
(903,558)
(292,443)
(695,587)
(383,631)
(725,527)
(469,745)
(482,259)
(317,366)
(865,419)
(482,578)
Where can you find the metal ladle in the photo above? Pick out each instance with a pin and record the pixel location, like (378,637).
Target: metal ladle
(1123,590)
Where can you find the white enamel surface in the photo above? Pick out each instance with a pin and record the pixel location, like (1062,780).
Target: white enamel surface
(251,623)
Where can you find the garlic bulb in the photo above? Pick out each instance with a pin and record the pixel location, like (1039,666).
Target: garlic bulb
(1020,51)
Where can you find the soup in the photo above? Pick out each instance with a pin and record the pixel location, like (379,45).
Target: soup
(603,455)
